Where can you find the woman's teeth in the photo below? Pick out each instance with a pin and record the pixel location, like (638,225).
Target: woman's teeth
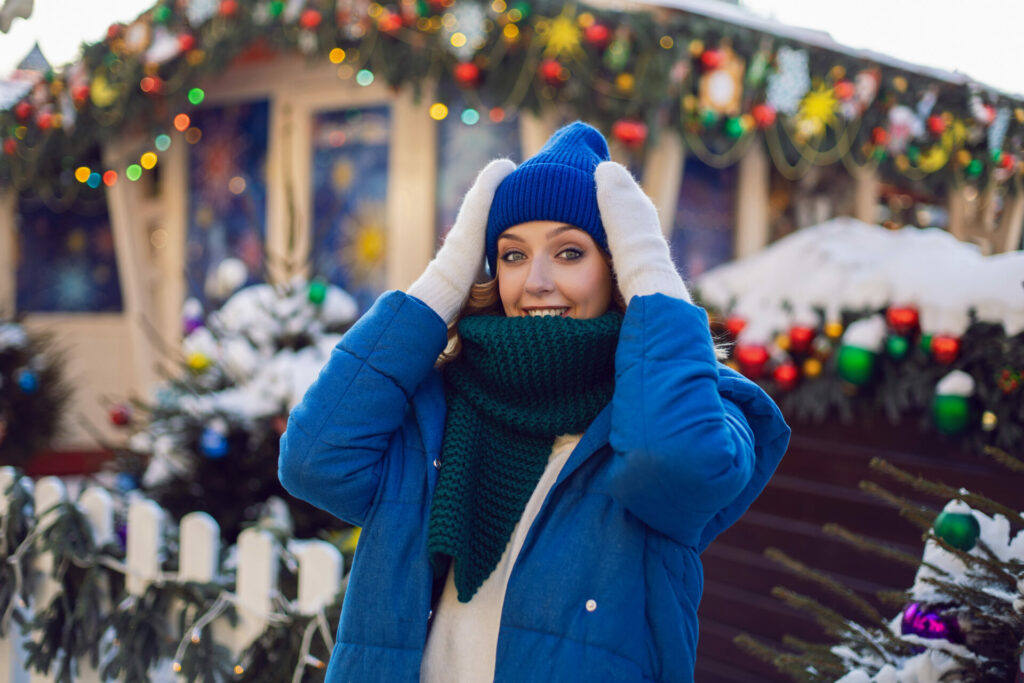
(538,312)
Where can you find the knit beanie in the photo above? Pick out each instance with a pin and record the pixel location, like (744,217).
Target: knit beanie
(556,184)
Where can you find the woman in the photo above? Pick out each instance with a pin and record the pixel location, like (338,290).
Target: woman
(534,510)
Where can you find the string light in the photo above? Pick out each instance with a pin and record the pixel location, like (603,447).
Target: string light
(438,111)
(364,77)
(470,117)
(94,180)
(162,142)
(337,56)
(133,172)
(109,178)
(196,96)
(82,174)
(148,160)
(182,122)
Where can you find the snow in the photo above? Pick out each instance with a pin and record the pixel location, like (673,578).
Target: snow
(867,334)
(956,383)
(846,264)
(12,336)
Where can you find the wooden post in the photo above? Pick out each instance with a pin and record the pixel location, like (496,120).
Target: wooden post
(98,507)
(8,250)
(1011,224)
(534,131)
(255,586)
(752,188)
(865,197)
(320,566)
(663,175)
(142,554)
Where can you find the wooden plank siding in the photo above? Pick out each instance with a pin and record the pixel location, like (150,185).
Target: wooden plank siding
(817,483)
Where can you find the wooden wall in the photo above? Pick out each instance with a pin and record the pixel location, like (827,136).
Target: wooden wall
(817,483)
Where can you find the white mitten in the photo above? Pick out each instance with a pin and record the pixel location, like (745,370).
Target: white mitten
(640,254)
(445,284)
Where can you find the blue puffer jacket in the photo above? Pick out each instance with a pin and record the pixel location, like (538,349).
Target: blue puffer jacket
(680,453)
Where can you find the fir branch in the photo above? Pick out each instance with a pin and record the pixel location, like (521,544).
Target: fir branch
(1005,459)
(918,515)
(142,635)
(859,541)
(790,664)
(826,582)
(940,490)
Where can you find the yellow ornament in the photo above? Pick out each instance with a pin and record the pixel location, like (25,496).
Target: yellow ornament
(963,157)
(198,362)
(100,90)
(932,160)
(782,341)
(989,421)
(818,110)
(900,83)
(696,47)
(902,162)
(812,367)
(561,36)
(834,329)
(1018,114)
(625,83)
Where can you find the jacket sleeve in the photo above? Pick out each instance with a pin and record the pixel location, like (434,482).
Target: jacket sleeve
(683,449)
(331,452)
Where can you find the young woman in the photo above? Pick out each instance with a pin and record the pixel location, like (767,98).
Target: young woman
(535,508)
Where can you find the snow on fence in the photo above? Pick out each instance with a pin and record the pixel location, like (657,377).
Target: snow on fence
(256,585)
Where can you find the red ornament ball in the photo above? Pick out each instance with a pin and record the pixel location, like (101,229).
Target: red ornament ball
(630,133)
(945,348)
(936,125)
(10,146)
(80,93)
(786,376)
(552,72)
(389,22)
(902,319)
(764,115)
(597,35)
(113,31)
(735,324)
(228,8)
(800,338)
(711,59)
(1008,162)
(752,359)
(186,41)
(467,74)
(44,121)
(23,110)
(120,415)
(311,19)
(879,136)
(843,90)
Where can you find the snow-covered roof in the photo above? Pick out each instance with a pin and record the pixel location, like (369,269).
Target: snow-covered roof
(846,264)
(34,61)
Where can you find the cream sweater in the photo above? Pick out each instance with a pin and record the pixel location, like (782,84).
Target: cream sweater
(462,642)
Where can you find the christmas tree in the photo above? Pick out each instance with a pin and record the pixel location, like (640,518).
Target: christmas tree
(963,618)
(208,440)
(32,393)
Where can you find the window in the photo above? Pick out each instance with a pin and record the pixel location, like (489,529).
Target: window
(705,219)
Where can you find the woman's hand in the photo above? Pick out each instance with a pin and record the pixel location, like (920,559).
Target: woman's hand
(445,284)
(640,254)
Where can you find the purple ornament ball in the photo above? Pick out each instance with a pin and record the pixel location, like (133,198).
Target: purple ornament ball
(930,621)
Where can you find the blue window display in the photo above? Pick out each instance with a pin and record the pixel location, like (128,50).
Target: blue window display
(703,232)
(66,262)
(350,186)
(227,213)
(462,151)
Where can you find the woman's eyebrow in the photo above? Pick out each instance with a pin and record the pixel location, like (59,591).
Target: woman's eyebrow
(510,236)
(560,229)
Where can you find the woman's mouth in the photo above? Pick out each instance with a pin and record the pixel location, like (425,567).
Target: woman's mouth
(540,312)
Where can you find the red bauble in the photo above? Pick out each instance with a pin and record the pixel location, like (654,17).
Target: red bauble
(228,8)
(902,319)
(467,74)
(552,72)
(879,136)
(800,338)
(1008,161)
(786,376)
(389,22)
(735,325)
(764,115)
(120,415)
(311,19)
(10,146)
(113,31)
(186,41)
(752,359)
(945,349)
(843,89)
(44,120)
(597,35)
(23,110)
(711,59)
(630,133)
(936,124)
(80,93)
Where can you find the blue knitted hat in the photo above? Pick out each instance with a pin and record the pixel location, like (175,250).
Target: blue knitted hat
(556,184)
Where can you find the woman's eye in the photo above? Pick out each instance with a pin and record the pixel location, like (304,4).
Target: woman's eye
(571,254)
(512,255)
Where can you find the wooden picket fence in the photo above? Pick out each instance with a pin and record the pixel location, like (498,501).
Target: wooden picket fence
(320,567)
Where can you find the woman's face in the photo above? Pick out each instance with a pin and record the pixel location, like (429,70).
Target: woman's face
(551,268)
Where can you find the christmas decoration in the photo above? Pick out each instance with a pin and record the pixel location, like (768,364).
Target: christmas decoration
(786,376)
(929,622)
(553,73)
(630,133)
(902,319)
(945,348)
(960,530)
(721,85)
(786,87)
(120,415)
(467,74)
(951,405)
(857,355)
(752,359)
(800,338)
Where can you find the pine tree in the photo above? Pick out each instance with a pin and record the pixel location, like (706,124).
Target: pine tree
(209,438)
(963,619)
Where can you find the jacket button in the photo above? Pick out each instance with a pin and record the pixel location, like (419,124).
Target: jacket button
(591,605)
(437,463)
(430,615)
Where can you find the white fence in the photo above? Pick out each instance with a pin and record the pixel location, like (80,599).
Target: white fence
(255,595)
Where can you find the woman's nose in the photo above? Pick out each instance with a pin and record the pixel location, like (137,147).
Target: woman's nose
(539,280)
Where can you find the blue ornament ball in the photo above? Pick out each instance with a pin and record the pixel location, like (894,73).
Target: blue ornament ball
(126,482)
(27,380)
(213,443)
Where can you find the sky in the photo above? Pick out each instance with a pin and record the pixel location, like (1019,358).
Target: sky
(979,38)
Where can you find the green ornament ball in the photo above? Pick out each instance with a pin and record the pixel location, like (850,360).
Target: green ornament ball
(914,154)
(734,127)
(422,8)
(959,529)
(950,414)
(162,14)
(708,118)
(897,346)
(856,364)
(317,292)
(276,8)
(974,168)
(524,8)
(926,344)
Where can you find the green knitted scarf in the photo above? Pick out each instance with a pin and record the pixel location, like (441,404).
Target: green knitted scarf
(517,384)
